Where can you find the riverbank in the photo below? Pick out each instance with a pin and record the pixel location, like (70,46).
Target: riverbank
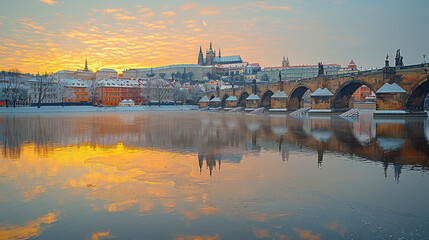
(59,109)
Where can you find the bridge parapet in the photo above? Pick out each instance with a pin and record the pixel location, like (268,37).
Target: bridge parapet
(414,80)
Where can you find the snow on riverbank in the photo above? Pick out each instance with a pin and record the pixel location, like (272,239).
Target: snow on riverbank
(59,109)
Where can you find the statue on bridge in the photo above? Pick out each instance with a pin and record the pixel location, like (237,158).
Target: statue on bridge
(321,70)
(399,59)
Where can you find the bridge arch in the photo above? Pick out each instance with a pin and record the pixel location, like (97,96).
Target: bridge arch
(295,96)
(242,99)
(266,98)
(415,100)
(342,96)
(211,97)
(225,96)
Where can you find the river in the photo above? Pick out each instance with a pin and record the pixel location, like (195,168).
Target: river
(201,175)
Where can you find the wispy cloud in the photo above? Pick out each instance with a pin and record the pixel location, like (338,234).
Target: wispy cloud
(50,2)
(189,6)
(209,11)
(169,13)
(142,10)
(119,14)
(263,5)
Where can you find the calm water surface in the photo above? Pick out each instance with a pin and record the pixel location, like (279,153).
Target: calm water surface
(199,175)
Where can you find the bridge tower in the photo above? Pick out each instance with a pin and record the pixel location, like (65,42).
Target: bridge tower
(279,98)
(252,101)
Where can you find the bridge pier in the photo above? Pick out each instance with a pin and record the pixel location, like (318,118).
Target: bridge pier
(279,101)
(215,102)
(231,102)
(252,101)
(321,100)
(204,102)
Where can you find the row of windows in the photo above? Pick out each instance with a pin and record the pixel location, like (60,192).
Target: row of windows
(112,99)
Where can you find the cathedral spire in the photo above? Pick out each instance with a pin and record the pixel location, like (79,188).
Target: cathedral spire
(211,46)
(219,53)
(86,63)
(200,57)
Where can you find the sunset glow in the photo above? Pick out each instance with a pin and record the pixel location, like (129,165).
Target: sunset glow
(48,35)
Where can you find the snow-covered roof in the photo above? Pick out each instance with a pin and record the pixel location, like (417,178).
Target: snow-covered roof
(73,82)
(391,88)
(127,101)
(166,67)
(279,94)
(115,82)
(107,70)
(231,98)
(215,99)
(64,71)
(252,97)
(322,92)
(226,59)
(204,99)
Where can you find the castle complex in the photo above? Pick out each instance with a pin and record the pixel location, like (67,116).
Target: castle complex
(212,59)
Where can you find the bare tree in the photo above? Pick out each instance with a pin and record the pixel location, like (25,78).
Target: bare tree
(12,90)
(177,93)
(63,92)
(5,87)
(43,83)
(195,93)
(145,92)
(158,90)
(94,91)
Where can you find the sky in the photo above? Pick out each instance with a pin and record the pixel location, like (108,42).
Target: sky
(53,35)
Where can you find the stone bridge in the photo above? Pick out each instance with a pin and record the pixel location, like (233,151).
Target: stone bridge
(398,90)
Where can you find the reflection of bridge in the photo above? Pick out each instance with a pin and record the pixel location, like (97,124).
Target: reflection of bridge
(225,137)
(396,88)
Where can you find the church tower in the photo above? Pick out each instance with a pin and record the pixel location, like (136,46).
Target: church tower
(285,62)
(210,55)
(200,58)
(86,64)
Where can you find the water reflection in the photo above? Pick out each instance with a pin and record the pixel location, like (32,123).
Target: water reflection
(196,166)
(225,136)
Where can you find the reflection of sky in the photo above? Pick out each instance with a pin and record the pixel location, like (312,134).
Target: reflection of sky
(92,186)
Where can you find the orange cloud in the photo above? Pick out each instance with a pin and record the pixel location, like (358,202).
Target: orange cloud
(30,230)
(142,10)
(209,11)
(263,5)
(188,6)
(338,228)
(261,233)
(113,10)
(306,234)
(208,210)
(169,13)
(122,17)
(191,215)
(29,23)
(101,235)
(149,14)
(50,2)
